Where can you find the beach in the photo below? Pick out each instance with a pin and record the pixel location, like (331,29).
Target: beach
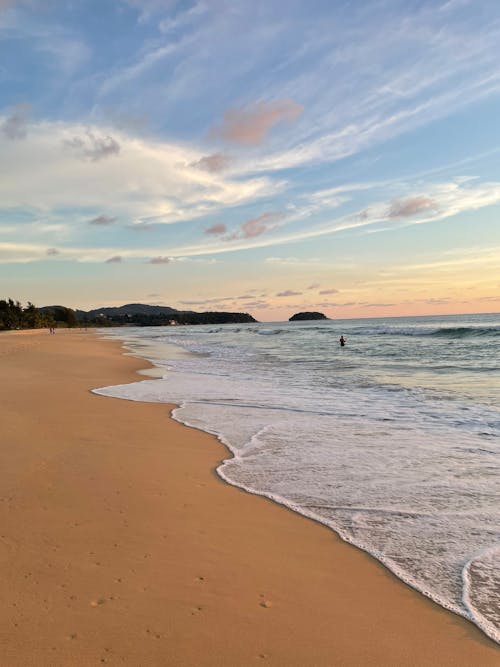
(119,543)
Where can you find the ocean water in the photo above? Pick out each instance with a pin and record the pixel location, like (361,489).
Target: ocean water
(393,441)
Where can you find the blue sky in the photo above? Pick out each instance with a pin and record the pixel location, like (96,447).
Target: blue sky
(258,156)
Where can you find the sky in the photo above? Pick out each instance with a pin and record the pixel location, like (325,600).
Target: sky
(254,156)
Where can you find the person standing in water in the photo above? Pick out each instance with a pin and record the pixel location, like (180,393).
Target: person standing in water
(342,341)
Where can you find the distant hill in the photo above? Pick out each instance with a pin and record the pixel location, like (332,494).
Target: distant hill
(14,316)
(49,309)
(129,309)
(144,315)
(307,316)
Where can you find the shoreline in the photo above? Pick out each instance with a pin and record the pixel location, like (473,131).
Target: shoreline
(305,596)
(157,371)
(296,509)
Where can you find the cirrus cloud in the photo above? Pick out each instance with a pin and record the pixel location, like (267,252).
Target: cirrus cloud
(405,208)
(251,125)
(217,228)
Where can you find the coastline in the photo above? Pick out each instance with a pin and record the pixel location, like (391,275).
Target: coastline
(118,546)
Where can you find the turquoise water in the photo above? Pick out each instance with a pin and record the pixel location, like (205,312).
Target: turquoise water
(393,440)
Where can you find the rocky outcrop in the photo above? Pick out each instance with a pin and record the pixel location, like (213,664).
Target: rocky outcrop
(307,316)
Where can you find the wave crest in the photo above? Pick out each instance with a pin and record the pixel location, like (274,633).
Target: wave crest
(442,332)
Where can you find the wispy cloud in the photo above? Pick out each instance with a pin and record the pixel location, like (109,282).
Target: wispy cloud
(212,163)
(149,8)
(93,147)
(233,302)
(257,226)
(160,260)
(434,301)
(407,208)
(378,305)
(451,197)
(53,45)
(184,18)
(457,259)
(142,227)
(334,304)
(123,77)
(258,305)
(299,261)
(250,126)
(15,125)
(409,71)
(288,292)
(206,302)
(216,229)
(148,184)
(486,299)
(103,220)
(448,199)
(295,89)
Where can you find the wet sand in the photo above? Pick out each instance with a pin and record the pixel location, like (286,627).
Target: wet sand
(120,545)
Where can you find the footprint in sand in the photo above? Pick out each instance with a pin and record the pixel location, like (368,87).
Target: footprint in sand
(98,602)
(196,610)
(153,634)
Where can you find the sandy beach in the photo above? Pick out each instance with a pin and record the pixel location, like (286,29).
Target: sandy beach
(119,544)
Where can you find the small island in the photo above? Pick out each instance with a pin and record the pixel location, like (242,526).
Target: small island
(307,316)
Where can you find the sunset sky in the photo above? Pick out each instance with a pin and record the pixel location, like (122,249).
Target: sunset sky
(258,156)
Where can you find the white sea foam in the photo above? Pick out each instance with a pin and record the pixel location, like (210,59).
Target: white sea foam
(481,577)
(408,473)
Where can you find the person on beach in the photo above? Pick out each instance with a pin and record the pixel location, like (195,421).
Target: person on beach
(342,341)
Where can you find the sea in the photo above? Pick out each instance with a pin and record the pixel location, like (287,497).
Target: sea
(393,440)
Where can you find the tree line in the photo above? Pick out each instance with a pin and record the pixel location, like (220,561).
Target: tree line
(13,315)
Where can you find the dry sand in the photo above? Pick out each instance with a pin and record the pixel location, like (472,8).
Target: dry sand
(120,545)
